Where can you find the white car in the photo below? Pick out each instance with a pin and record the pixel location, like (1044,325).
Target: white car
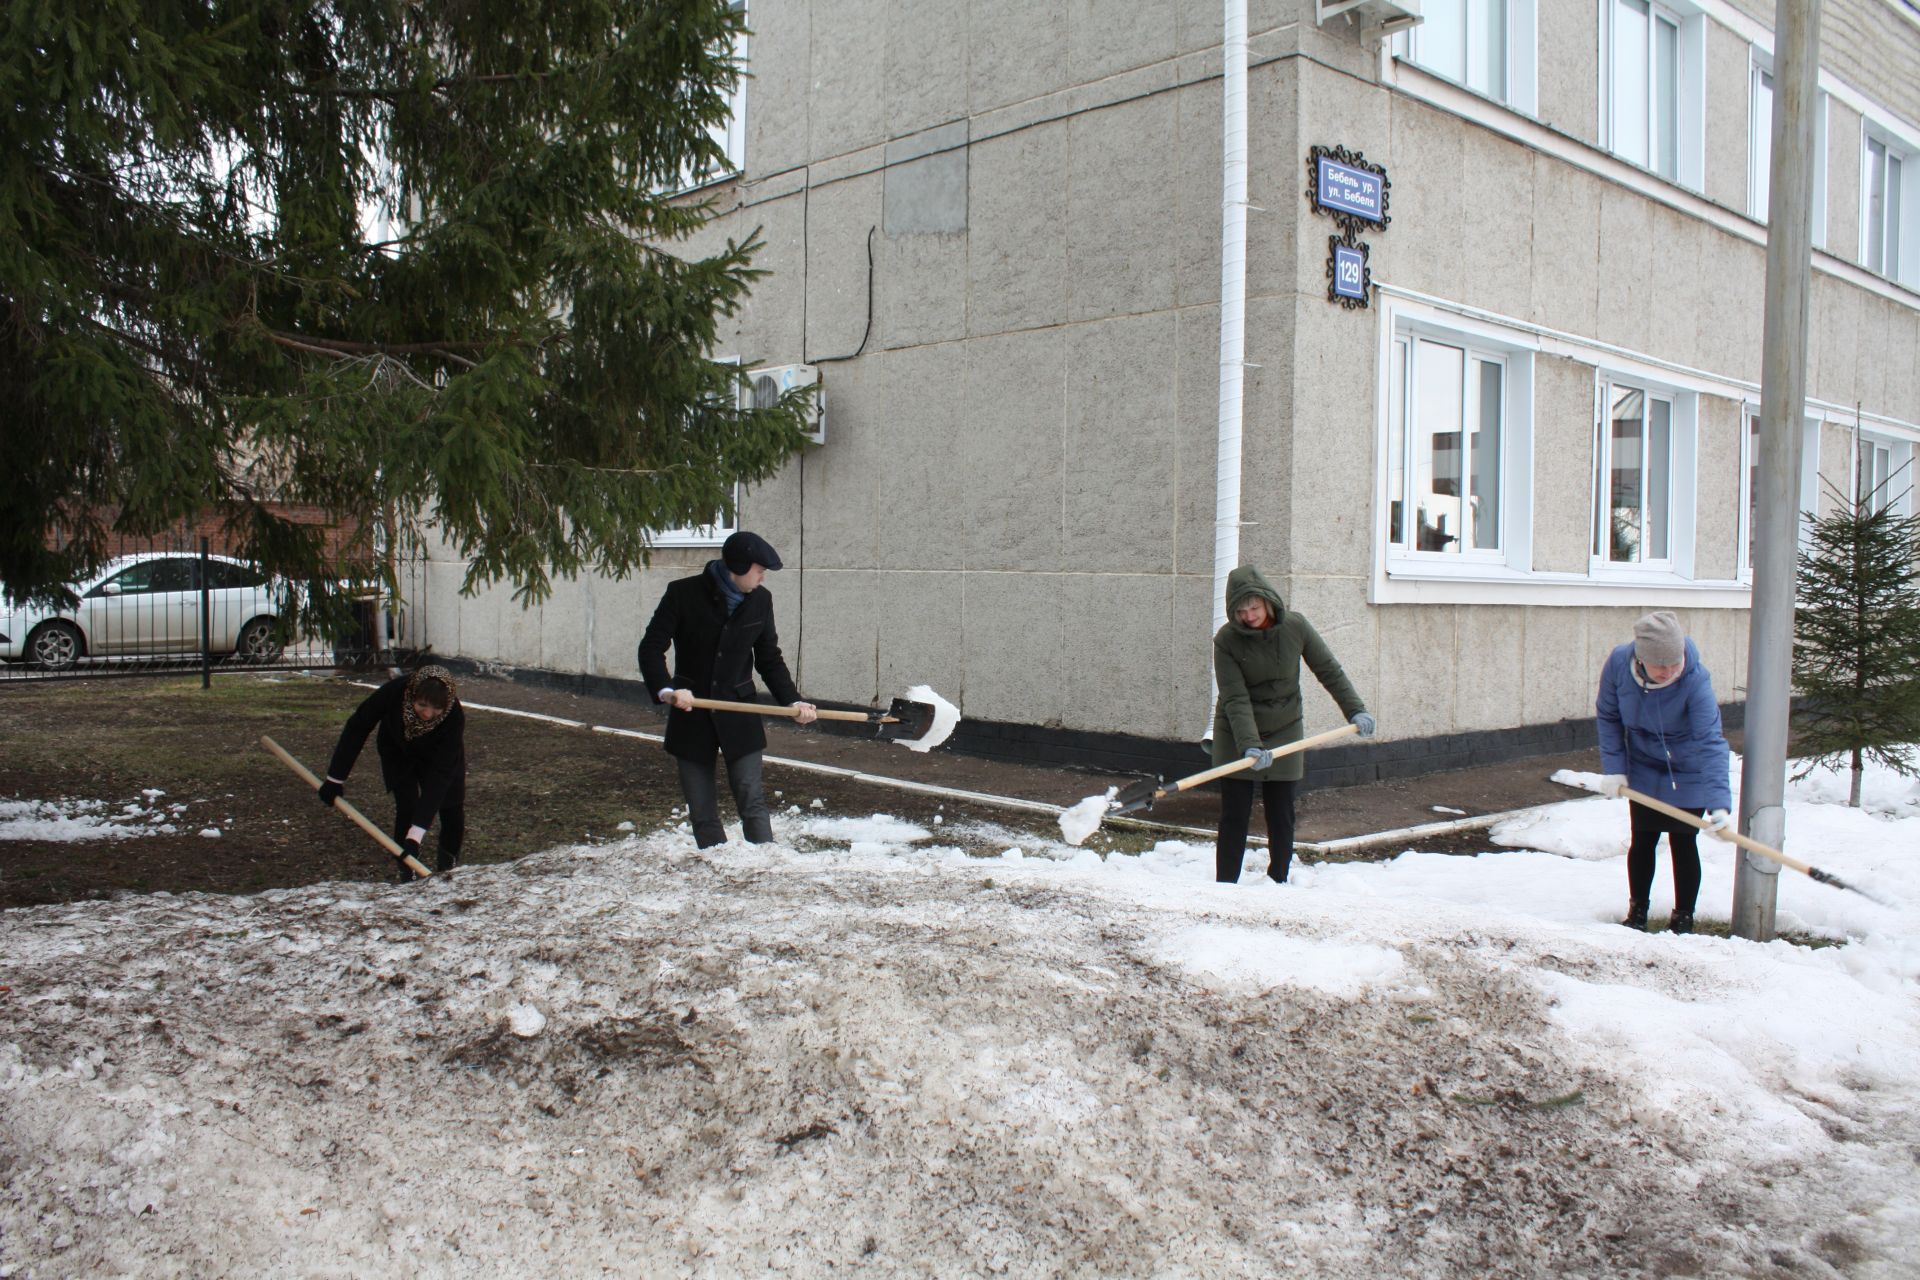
(148,605)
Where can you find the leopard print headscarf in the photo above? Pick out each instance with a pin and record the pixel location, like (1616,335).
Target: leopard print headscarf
(410,720)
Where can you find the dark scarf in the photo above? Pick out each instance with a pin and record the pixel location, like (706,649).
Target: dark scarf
(410,722)
(728,590)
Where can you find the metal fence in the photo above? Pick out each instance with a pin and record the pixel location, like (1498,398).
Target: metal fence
(173,608)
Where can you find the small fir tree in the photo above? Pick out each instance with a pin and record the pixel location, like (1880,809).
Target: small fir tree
(1856,652)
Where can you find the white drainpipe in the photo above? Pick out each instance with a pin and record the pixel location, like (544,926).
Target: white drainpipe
(1233,310)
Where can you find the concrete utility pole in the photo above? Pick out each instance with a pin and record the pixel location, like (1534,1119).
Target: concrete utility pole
(1783,399)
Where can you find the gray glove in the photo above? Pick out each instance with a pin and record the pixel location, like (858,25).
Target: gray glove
(1261,757)
(1363,722)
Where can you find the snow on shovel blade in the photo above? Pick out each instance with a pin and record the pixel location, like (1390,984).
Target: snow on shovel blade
(904,719)
(1135,796)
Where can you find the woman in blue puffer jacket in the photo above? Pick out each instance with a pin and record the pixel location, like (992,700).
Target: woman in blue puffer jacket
(1660,735)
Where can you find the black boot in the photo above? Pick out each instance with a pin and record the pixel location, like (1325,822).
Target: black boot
(1636,915)
(444,861)
(1278,864)
(1682,922)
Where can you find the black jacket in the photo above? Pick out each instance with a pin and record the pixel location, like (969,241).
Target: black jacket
(714,656)
(435,763)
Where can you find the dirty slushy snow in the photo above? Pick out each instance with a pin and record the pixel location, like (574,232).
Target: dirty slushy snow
(878,1052)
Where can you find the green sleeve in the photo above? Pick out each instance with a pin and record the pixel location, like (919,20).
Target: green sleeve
(1235,703)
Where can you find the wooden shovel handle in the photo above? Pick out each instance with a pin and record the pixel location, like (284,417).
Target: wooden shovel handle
(387,842)
(1246,762)
(1745,842)
(768,709)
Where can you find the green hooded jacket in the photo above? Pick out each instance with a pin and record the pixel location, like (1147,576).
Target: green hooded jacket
(1258,674)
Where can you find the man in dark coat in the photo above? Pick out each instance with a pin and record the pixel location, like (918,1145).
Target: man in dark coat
(423,760)
(720,625)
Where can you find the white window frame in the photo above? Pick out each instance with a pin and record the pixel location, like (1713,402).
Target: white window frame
(1896,144)
(732,135)
(1760,136)
(1895,469)
(1522,19)
(1760,147)
(1820,127)
(706,535)
(1512,559)
(1689,104)
(1682,480)
(1809,486)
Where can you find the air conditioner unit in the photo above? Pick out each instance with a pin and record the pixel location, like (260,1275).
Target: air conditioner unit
(766,386)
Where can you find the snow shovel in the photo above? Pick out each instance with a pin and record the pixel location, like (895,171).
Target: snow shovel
(1140,795)
(340,802)
(1749,844)
(904,719)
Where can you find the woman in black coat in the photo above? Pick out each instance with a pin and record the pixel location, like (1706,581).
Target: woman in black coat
(423,759)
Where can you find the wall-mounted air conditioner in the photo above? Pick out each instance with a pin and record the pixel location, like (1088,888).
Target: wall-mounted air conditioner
(769,384)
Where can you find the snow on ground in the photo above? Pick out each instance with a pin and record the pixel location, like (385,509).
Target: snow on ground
(70,820)
(862,1049)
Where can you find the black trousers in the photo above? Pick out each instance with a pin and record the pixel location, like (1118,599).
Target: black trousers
(699,783)
(1236,814)
(453,826)
(1682,848)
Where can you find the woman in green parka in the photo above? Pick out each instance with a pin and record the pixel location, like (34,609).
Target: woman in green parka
(1256,663)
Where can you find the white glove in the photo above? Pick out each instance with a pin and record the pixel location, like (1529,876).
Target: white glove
(1720,825)
(1613,785)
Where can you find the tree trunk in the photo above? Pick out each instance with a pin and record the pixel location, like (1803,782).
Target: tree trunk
(1853,796)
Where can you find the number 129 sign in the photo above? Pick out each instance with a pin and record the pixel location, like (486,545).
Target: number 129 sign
(1349,272)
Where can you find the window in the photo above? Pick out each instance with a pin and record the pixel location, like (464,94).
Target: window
(151,576)
(1446,428)
(1882,473)
(731,135)
(1633,480)
(1465,41)
(1807,490)
(1760,122)
(1889,216)
(224,575)
(715,532)
(1651,95)
(1760,148)
(1486,45)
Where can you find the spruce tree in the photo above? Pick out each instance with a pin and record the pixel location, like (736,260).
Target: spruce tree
(1856,652)
(403,260)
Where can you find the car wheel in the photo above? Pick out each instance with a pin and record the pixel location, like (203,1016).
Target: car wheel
(259,641)
(55,646)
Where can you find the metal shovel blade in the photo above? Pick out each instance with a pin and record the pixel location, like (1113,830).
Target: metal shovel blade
(905,719)
(1135,796)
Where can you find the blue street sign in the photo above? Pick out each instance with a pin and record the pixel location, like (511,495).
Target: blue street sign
(1349,272)
(1345,189)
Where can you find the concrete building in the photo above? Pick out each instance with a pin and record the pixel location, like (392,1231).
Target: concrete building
(995,228)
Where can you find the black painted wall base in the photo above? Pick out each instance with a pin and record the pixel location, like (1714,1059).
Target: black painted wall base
(1346,765)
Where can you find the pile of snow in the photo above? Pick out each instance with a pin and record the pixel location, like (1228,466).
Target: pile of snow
(648,1059)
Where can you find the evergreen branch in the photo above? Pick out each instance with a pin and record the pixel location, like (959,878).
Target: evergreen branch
(344,347)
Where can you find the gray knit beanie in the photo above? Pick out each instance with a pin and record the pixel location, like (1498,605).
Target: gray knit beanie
(1658,640)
